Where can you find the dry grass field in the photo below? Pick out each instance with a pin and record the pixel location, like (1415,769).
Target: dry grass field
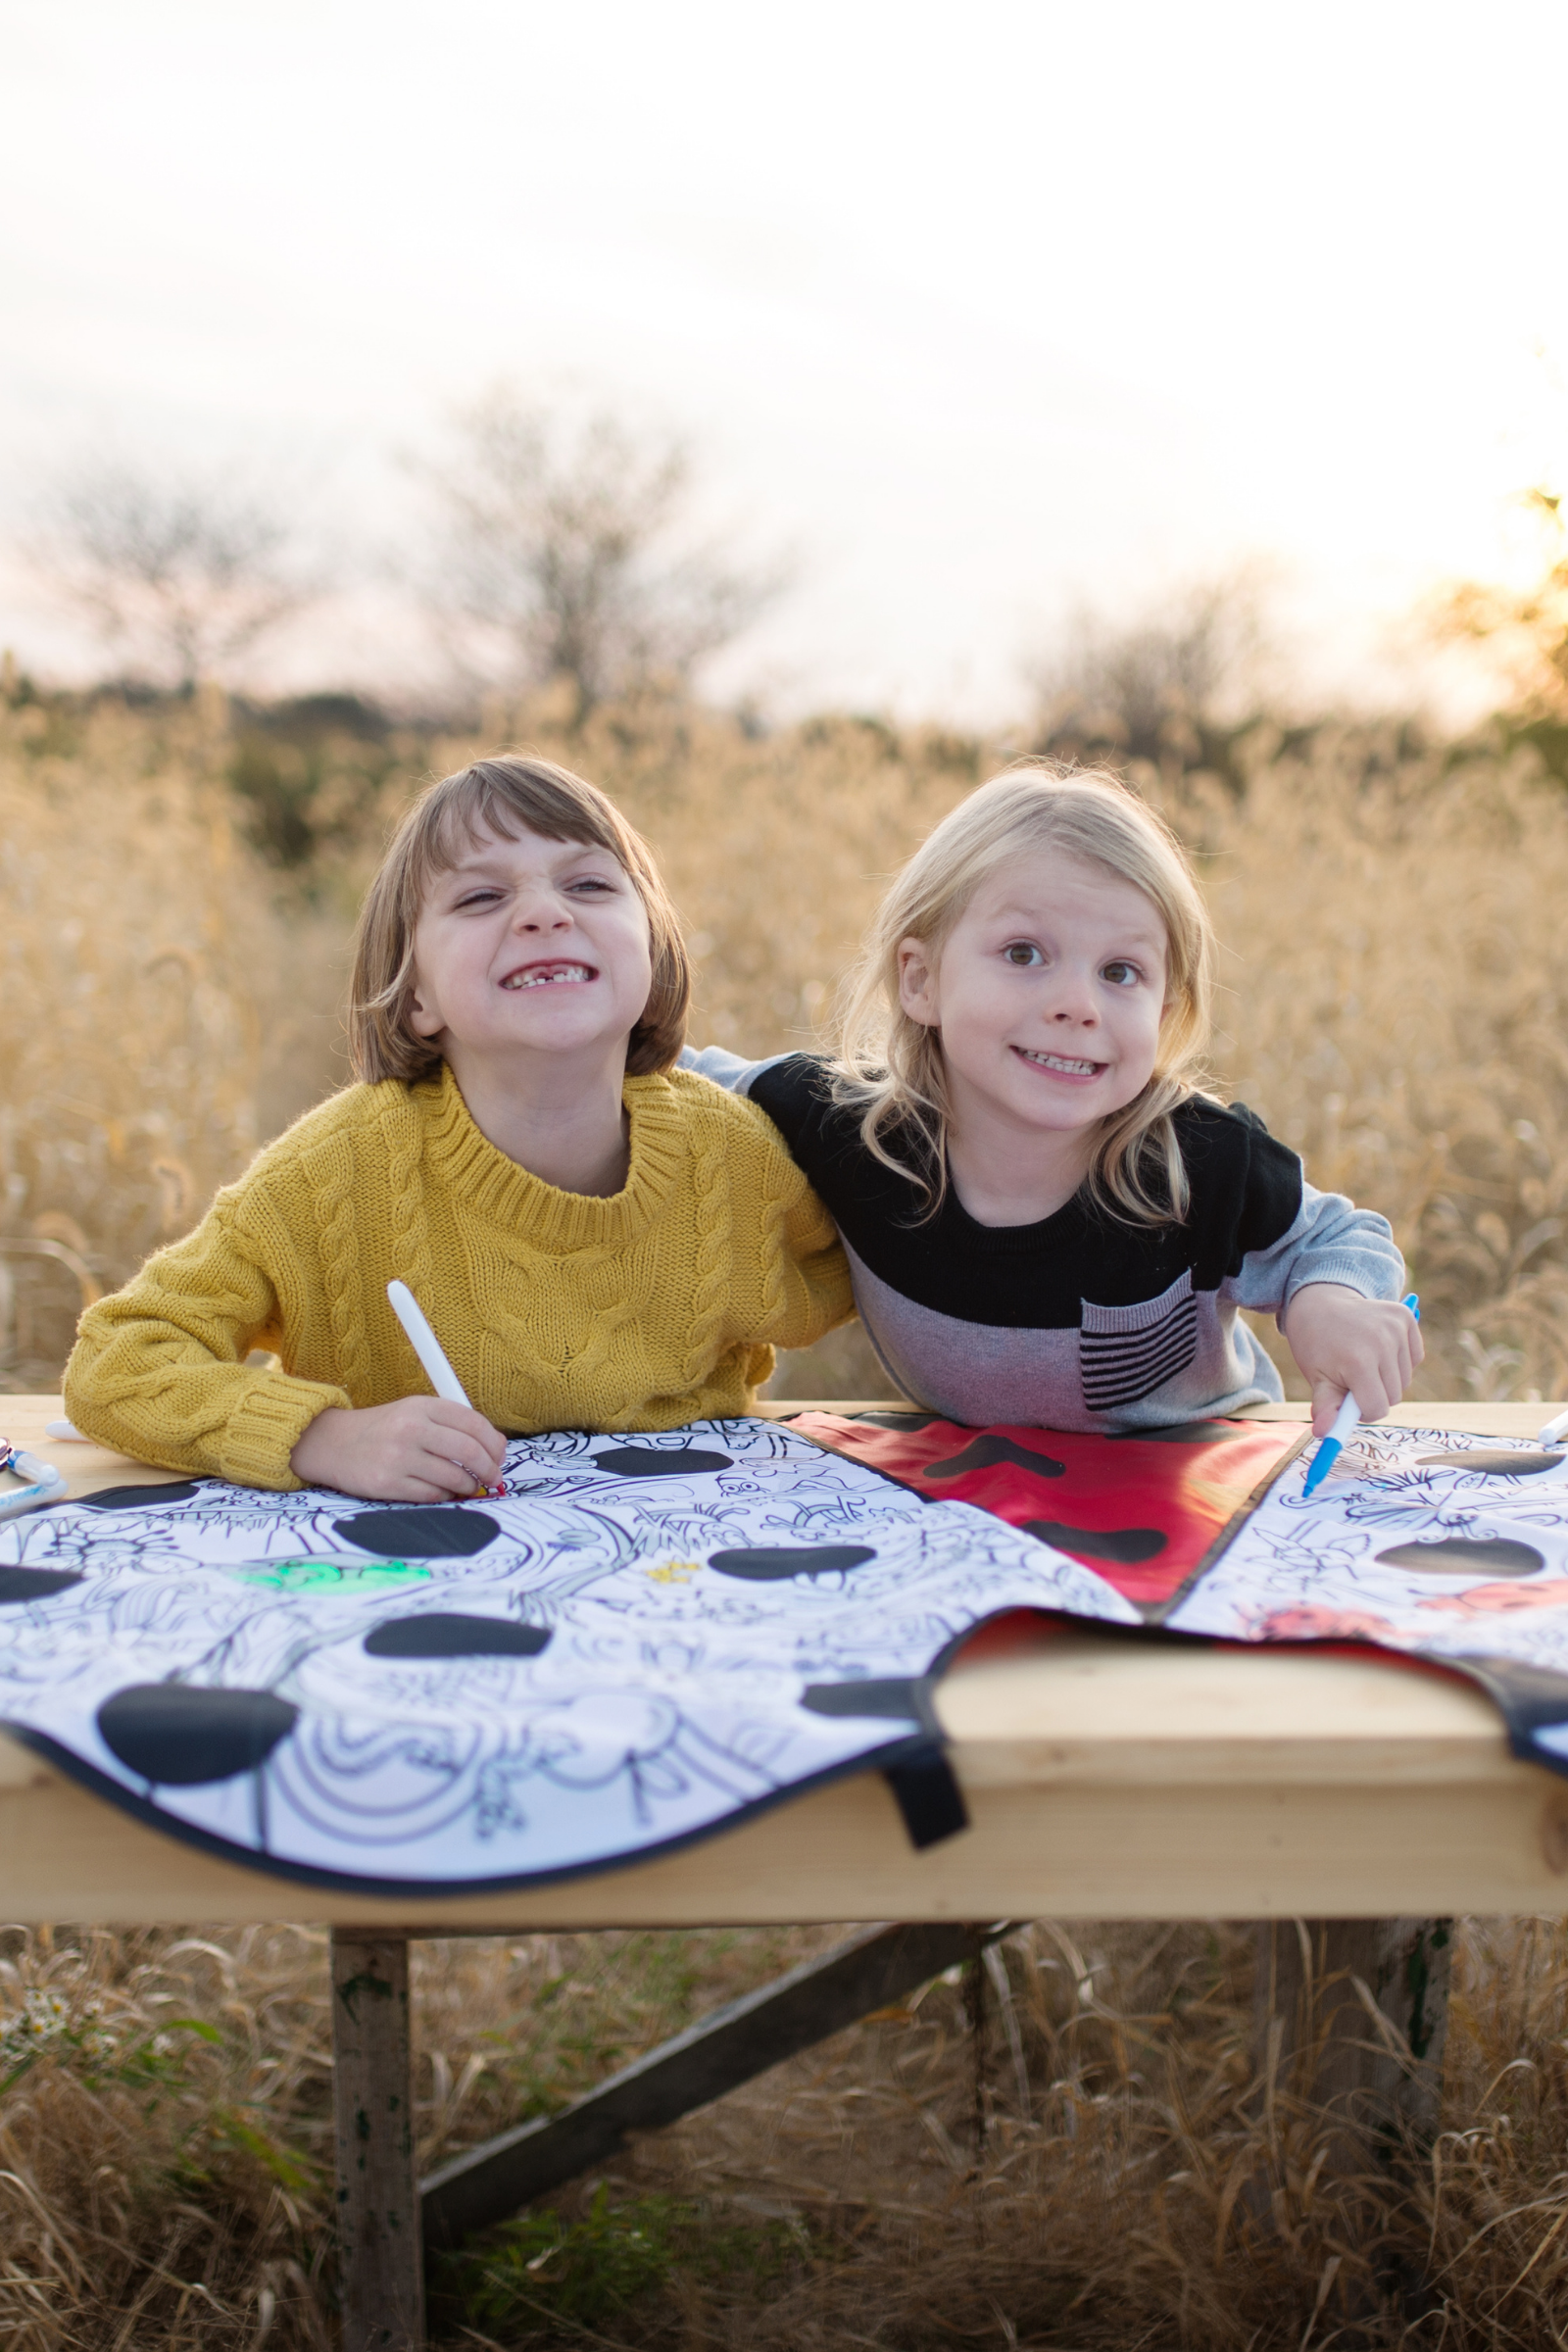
(1098,2165)
(1092,2163)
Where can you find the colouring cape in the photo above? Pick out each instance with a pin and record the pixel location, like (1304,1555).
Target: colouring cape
(642,1641)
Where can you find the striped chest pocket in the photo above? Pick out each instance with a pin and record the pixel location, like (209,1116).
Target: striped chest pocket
(1126,1352)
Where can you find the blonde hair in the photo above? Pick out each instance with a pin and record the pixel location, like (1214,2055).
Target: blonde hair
(504,796)
(889,1066)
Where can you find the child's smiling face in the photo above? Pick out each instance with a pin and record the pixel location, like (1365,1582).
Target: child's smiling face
(1047,992)
(530,945)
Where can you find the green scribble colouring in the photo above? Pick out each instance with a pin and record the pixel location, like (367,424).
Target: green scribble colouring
(349,1577)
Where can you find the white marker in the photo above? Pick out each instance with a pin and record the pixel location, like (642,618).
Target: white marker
(1554,1430)
(426,1346)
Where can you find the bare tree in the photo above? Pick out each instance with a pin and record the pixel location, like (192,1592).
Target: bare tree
(178,575)
(565,538)
(1152,683)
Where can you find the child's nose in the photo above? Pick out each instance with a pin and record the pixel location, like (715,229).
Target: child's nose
(542,913)
(1073,1000)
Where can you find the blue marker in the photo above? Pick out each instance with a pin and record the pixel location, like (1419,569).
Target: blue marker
(44,1483)
(1344,1420)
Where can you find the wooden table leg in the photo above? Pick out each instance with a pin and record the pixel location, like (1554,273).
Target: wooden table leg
(380,2268)
(1351,2019)
(1376,2067)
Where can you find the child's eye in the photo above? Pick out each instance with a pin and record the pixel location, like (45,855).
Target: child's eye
(1022,951)
(1121,975)
(478,897)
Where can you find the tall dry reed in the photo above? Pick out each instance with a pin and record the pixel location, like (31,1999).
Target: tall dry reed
(1397,1009)
(159,1006)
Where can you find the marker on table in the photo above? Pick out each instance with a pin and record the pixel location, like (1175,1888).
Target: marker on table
(43,1482)
(1551,1431)
(426,1346)
(1344,1420)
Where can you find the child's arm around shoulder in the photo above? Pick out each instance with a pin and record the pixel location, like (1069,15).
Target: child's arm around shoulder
(720,1067)
(1331,1274)
(794,1090)
(805,1275)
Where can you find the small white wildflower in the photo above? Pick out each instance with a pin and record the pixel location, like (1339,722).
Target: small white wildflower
(42,2018)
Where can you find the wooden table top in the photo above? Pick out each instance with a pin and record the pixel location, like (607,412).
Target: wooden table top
(1103,1779)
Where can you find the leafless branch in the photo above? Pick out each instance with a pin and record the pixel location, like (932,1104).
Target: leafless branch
(176,575)
(565,540)
(1127,683)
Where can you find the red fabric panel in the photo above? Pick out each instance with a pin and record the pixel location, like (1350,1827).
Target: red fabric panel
(1158,1504)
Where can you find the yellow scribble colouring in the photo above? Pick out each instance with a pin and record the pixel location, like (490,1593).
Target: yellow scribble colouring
(674,1572)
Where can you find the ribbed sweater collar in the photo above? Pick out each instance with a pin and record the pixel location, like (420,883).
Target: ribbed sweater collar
(492,1186)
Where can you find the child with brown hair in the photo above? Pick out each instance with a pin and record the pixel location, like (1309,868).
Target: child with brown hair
(600,1239)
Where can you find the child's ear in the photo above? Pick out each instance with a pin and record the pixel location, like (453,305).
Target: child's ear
(917,983)
(422,1023)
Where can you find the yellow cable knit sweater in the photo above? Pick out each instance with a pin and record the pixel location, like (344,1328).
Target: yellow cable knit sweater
(658,1305)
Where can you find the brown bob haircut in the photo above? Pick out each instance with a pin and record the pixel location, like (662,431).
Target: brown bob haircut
(506,796)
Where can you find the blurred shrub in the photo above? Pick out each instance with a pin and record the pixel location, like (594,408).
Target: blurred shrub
(615,2254)
(1525,633)
(309,774)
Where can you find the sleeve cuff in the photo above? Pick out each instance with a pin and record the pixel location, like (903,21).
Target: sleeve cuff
(253,1447)
(1349,1273)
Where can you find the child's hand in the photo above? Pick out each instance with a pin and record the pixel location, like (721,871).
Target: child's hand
(1349,1346)
(421,1449)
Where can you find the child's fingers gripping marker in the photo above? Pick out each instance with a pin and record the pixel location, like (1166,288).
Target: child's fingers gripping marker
(1344,1420)
(433,1357)
(1330,1446)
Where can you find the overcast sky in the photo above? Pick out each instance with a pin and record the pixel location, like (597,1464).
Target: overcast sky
(980,310)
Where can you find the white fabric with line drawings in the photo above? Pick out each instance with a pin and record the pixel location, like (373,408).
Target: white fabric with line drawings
(644,1639)
(1440,1543)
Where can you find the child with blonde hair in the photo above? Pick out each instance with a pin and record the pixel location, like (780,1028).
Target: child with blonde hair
(600,1239)
(1047,1221)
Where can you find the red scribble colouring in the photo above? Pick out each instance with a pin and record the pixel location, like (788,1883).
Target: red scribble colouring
(1309,1623)
(1493,1600)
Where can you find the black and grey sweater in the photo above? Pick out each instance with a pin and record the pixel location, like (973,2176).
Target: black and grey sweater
(1081,1321)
